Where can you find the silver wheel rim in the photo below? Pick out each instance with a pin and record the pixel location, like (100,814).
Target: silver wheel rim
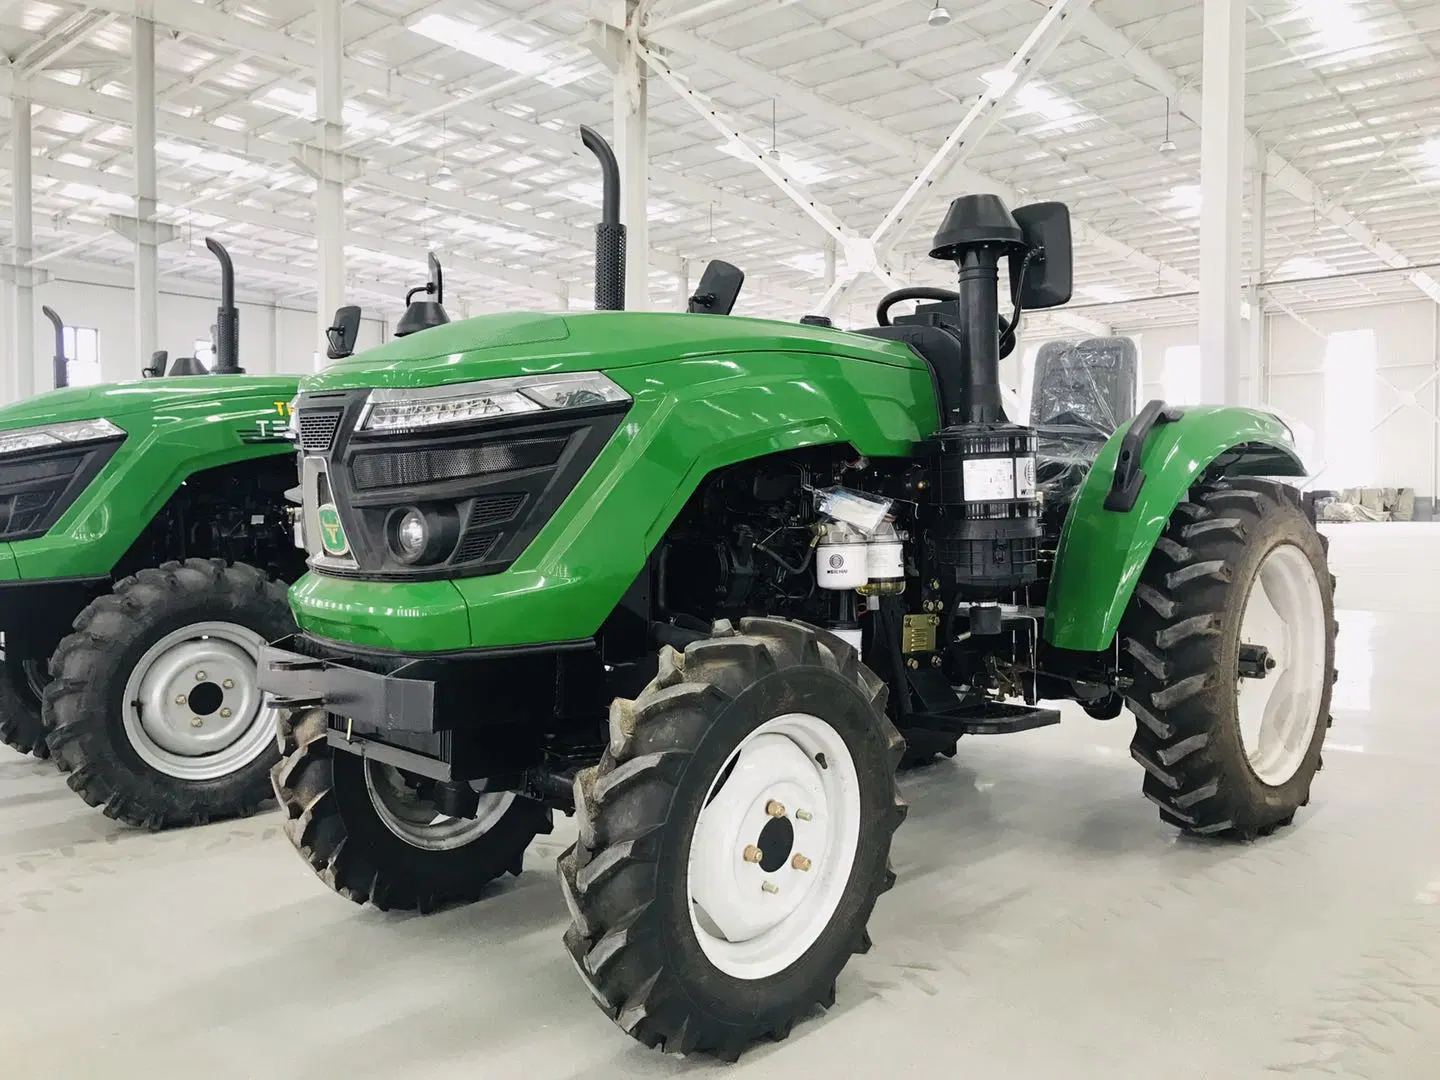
(193,708)
(415,819)
(794,781)
(1285,613)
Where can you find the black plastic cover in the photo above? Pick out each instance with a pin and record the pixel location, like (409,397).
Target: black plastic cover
(973,220)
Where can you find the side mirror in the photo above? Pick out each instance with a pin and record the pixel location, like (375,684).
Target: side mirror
(1050,277)
(718,289)
(340,337)
(158,360)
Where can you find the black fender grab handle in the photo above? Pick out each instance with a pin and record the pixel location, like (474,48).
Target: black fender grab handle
(1129,478)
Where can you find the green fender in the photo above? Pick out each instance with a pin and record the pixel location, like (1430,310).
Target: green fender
(1102,552)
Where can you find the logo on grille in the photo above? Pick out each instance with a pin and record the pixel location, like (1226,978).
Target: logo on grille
(332,533)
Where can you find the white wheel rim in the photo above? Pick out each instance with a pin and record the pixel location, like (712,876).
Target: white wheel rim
(193,707)
(754,919)
(416,820)
(1285,613)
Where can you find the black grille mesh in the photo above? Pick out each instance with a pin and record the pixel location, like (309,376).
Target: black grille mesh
(412,467)
(494,509)
(476,545)
(317,429)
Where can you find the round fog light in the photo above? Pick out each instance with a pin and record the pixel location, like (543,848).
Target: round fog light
(411,535)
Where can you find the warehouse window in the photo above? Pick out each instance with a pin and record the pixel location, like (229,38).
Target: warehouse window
(205,352)
(82,353)
(1181,375)
(1350,361)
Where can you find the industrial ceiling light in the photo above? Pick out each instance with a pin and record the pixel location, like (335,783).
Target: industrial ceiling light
(938,15)
(1167,144)
(774,144)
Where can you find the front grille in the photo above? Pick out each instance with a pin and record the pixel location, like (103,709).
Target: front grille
(317,429)
(412,467)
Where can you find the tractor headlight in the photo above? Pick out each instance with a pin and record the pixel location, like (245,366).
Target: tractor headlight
(413,410)
(51,435)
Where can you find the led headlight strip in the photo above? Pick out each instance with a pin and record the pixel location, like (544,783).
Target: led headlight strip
(460,403)
(48,435)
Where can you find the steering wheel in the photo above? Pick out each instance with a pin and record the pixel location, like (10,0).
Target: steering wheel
(927,292)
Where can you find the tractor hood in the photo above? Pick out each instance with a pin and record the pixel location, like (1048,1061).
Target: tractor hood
(528,343)
(113,400)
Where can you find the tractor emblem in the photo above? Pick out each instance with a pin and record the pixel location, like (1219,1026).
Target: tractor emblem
(332,533)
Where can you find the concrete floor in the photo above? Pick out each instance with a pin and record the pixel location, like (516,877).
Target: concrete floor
(1045,924)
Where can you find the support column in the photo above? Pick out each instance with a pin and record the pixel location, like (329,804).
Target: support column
(684,284)
(1256,293)
(632,149)
(20,363)
(330,177)
(147,250)
(1222,163)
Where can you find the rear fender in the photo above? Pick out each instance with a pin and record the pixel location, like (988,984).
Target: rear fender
(1102,551)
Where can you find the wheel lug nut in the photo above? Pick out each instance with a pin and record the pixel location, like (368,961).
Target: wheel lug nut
(199,676)
(225,713)
(769,886)
(195,721)
(802,815)
(228,684)
(775,809)
(800,862)
(753,853)
(180,699)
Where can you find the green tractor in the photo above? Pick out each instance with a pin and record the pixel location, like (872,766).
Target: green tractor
(697,580)
(145,530)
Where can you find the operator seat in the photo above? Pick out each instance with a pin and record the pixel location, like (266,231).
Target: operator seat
(1094,379)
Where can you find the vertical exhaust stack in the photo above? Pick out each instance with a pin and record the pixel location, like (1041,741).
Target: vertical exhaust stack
(61,362)
(609,234)
(227,319)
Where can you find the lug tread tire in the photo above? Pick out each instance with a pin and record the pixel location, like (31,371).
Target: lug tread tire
(81,704)
(1176,631)
(610,877)
(336,830)
(21,726)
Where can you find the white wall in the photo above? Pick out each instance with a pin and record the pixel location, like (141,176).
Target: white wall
(273,337)
(1404,444)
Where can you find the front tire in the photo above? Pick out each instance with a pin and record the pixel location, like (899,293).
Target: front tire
(734,838)
(22,681)
(370,834)
(1230,738)
(155,708)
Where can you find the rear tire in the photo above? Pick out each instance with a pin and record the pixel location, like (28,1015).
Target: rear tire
(344,818)
(21,682)
(672,829)
(146,732)
(1215,762)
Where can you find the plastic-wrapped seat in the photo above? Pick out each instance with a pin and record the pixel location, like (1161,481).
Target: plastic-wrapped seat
(1083,391)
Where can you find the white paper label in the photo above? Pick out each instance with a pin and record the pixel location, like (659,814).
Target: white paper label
(988,479)
(1024,477)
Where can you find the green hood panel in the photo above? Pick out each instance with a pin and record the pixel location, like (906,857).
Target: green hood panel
(524,343)
(173,429)
(159,396)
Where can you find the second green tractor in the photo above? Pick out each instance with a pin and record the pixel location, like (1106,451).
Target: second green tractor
(698,580)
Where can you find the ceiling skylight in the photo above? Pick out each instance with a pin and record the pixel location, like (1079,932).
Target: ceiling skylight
(807,172)
(1337,22)
(1304,266)
(1185,200)
(301,105)
(494,49)
(1034,97)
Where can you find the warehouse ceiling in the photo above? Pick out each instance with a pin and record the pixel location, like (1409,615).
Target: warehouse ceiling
(461,119)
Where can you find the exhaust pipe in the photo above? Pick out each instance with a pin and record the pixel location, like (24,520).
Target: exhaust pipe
(609,234)
(227,319)
(61,363)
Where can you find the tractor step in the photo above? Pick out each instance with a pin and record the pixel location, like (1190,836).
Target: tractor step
(987,718)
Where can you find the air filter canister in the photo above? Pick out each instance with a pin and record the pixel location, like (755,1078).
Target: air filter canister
(988,539)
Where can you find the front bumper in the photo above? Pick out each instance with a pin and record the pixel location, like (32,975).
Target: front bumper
(457,716)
